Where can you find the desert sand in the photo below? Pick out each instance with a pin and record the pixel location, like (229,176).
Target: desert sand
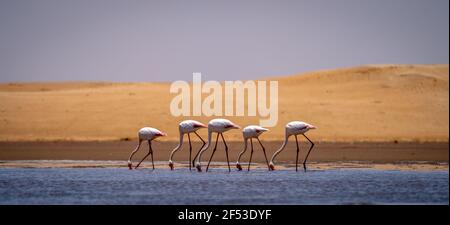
(374,114)
(367,103)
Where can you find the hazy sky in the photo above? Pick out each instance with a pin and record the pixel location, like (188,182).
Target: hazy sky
(130,40)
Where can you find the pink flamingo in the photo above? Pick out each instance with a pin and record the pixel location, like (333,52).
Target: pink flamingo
(149,134)
(219,126)
(294,128)
(251,132)
(187,127)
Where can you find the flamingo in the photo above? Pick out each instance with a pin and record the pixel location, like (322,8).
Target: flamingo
(219,126)
(149,134)
(294,128)
(250,132)
(187,127)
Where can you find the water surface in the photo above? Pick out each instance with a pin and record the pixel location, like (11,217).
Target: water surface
(162,186)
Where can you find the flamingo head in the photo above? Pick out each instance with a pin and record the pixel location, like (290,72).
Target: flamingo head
(271,166)
(129,165)
(171,165)
(199,168)
(238,166)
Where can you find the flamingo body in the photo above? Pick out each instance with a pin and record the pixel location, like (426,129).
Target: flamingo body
(253,131)
(298,127)
(149,133)
(221,125)
(189,126)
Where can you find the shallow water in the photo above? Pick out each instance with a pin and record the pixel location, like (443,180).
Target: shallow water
(162,186)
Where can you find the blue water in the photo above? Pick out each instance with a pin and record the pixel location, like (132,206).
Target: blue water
(162,186)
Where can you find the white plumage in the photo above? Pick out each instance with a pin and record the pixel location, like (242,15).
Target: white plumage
(189,126)
(253,131)
(149,133)
(298,127)
(221,125)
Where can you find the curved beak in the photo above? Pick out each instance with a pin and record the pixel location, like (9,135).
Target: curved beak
(199,168)
(239,167)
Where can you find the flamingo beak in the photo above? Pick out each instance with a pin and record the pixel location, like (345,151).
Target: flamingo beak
(271,166)
(171,165)
(129,165)
(199,168)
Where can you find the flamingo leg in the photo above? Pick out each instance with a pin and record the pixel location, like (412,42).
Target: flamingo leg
(195,157)
(264,150)
(298,150)
(310,148)
(214,150)
(149,152)
(134,152)
(226,152)
(190,151)
(251,154)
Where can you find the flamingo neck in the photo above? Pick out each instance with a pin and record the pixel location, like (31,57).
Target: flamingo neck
(245,149)
(204,147)
(177,148)
(280,149)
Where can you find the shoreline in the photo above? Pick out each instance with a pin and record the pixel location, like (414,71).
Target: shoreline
(325,155)
(86,164)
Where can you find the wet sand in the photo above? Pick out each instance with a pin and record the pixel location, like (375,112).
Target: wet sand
(77,164)
(415,156)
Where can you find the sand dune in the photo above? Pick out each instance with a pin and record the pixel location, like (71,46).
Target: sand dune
(367,103)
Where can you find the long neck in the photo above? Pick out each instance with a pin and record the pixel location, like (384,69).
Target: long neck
(205,147)
(178,147)
(245,149)
(281,148)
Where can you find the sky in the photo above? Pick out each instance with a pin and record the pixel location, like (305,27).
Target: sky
(149,40)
